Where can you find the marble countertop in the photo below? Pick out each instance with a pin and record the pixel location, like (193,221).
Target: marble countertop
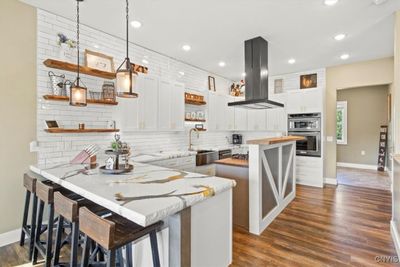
(146,195)
(151,157)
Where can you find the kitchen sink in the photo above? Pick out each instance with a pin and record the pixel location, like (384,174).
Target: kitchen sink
(205,157)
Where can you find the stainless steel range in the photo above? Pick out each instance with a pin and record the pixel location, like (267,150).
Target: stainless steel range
(307,125)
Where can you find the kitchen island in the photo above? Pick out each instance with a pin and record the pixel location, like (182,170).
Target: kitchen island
(195,209)
(265,183)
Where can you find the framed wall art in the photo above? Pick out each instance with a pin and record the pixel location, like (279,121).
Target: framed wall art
(99,61)
(211,83)
(308,81)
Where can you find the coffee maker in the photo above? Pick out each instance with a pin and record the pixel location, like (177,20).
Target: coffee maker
(237,139)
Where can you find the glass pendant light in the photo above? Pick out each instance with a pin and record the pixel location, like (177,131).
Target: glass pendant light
(78,94)
(126,76)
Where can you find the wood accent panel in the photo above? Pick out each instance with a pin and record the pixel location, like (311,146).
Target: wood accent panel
(195,102)
(89,101)
(62,65)
(275,140)
(233,162)
(29,183)
(66,207)
(61,130)
(316,229)
(45,192)
(195,120)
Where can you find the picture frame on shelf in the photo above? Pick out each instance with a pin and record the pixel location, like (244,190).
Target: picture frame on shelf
(308,81)
(211,83)
(99,61)
(50,124)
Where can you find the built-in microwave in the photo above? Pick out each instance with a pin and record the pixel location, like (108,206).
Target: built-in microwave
(310,146)
(307,122)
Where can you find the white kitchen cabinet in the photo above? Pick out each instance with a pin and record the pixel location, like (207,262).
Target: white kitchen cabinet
(212,112)
(276,119)
(240,117)
(304,101)
(140,113)
(256,119)
(178,107)
(171,107)
(221,117)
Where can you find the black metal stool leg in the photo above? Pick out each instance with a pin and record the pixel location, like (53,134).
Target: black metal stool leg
(154,249)
(38,232)
(74,243)
(57,246)
(120,258)
(111,258)
(49,242)
(25,218)
(86,254)
(33,225)
(128,250)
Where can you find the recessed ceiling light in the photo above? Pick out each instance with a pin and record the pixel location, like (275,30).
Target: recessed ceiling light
(96,46)
(145,61)
(292,61)
(379,2)
(340,36)
(136,24)
(243,74)
(344,56)
(186,47)
(330,2)
(222,64)
(181,73)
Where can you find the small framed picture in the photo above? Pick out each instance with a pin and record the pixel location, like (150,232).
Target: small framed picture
(99,61)
(51,124)
(278,86)
(211,83)
(308,81)
(199,126)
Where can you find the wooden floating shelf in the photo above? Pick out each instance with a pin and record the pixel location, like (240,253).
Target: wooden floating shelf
(195,102)
(61,130)
(89,101)
(194,120)
(62,65)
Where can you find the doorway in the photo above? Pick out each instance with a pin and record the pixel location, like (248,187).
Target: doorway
(360,113)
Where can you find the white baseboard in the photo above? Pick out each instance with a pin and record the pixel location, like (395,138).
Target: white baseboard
(10,237)
(309,183)
(332,181)
(357,166)
(395,236)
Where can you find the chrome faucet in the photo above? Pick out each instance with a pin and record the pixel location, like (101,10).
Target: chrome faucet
(190,137)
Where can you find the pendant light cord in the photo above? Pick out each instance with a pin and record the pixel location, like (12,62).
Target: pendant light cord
(77,38)
(127,28)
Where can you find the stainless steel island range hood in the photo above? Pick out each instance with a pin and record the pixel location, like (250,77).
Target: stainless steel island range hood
(256,80)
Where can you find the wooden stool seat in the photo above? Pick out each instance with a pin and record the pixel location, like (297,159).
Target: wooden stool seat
(68,210)
(114,232)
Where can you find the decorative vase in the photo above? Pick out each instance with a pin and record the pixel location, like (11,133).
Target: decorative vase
(67,53)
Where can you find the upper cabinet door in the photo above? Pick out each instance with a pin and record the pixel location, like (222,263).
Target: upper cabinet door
(230,113)
(164,105)
(240,117)
(256,120)
(212,112)
(304,101)
(276,119)
(148,102)
(127,114)
(178,107)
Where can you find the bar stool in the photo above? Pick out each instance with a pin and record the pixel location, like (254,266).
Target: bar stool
(113,233)
(29,230)
(68,210)
(45,194)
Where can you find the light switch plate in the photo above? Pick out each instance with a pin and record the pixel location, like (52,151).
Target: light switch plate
(329,138)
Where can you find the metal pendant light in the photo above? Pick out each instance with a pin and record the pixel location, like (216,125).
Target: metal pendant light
(78,94)
(126,76)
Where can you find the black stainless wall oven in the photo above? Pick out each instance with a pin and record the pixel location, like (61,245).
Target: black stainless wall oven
(309,126)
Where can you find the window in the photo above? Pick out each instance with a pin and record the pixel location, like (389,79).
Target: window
(341,122)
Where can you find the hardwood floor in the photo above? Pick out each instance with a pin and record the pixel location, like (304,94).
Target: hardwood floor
(363,178)
(343,226)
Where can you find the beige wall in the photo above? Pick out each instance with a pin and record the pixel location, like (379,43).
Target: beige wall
(363,123)
(18,105)
(368,73)
(396,83)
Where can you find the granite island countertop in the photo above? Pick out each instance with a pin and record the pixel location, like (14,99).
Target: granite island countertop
(146,195)
(275,140)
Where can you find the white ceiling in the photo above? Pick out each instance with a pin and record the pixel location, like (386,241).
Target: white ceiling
(216,29)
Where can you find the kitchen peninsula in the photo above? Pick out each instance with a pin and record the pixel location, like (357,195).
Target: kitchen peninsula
(195,208)
(264,187)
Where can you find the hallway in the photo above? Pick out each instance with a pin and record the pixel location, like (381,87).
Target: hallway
(363,178)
